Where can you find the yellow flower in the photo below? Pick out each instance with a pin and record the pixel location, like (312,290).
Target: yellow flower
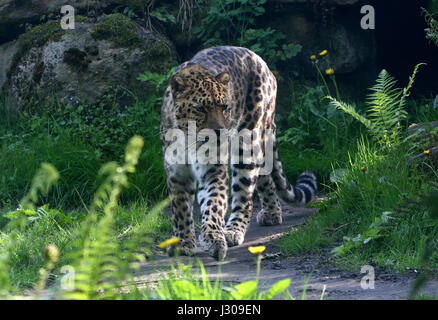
(330,71)
(426,151)
(313,57)
(323,53)
(51,253)
(257,249)
(363,169)
(169,242)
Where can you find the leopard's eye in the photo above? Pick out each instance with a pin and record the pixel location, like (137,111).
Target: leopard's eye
(224,106)
(200,108)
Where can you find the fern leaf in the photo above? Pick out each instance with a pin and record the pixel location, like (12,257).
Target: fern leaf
(351,111)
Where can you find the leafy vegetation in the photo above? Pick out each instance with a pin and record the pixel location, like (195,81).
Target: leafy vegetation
(367,216)
(233,22)
(77,138)
(385,109)
(380,197)
(432,31)
(101,263)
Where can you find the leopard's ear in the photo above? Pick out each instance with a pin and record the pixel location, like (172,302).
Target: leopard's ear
(177,83)
(223,77)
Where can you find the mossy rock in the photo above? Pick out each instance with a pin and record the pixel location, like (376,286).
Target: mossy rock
(88,62)
(15,14)
(36,37)
(118,29)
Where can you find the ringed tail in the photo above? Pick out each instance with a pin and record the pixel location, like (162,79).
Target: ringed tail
(302,192)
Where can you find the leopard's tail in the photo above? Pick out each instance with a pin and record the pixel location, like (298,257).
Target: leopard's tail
(302,192)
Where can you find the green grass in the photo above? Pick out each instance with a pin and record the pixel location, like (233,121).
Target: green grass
(28,258)
(77,163)
(372,184)
(77,140)
(187,282)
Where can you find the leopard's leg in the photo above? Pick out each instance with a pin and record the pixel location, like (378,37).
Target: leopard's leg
(213,201)
(270,213)
(243,186)
(182,187)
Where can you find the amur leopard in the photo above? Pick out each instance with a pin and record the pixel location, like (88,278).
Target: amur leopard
(225,88)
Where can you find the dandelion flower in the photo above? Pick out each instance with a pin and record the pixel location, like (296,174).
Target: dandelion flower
(330,71)
(51,253)
(426,151)
(257,249)
(323,53)
(169,242)
(313,57)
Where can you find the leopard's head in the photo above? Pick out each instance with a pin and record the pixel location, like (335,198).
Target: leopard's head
(200,97)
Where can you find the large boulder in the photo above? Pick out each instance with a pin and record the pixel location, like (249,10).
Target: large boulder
(7,52)
(15,14)
(88,62)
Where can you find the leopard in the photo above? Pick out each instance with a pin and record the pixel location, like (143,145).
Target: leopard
(225,88)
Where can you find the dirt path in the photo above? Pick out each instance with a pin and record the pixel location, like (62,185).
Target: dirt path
(316,270)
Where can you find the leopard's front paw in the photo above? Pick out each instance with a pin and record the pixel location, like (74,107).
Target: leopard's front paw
(266,218)
(234,237)
(215,244)
(186,248)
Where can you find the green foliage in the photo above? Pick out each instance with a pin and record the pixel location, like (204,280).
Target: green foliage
(374,178)
(89,240)
(430,202)
(266,42)
(159,81)
(385,108)
(45,177)
(226,21)
(233,22)
(311,122)
(97,265)
(77,138)
(373,232)
(134,227)
(105,242)
(163,15)
(43,180)
(7,246)
(432,30)
(373,183)
(313,135)
(184,283)
(23,152)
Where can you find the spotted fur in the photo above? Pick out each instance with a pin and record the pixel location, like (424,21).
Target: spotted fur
(232,88)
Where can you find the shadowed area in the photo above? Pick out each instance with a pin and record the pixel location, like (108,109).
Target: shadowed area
(309,272)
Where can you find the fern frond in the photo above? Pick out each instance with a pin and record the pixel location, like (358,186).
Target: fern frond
(138,244)
(384,106)
(407,90)
(351,111)
(97,260)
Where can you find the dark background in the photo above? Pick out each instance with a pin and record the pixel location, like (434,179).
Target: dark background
(401,43)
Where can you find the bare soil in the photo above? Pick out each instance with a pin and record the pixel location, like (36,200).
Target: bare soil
(314,272)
